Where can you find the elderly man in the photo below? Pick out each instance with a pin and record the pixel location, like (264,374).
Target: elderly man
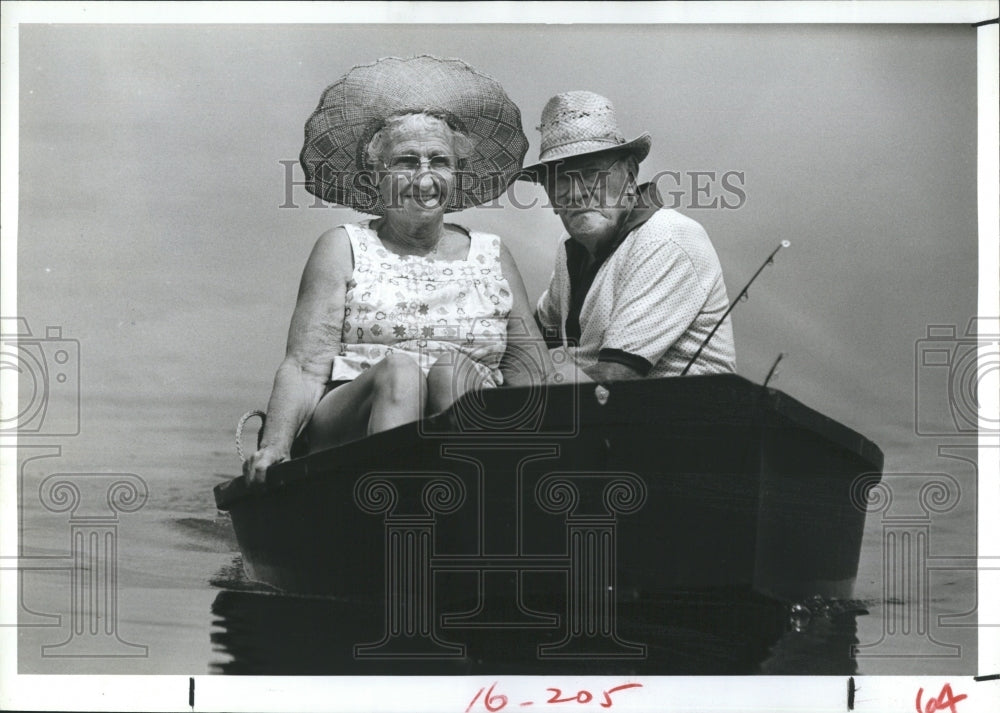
(637,288)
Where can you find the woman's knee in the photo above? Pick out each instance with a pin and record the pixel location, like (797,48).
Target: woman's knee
(444,371)
(399,378)
(450,377)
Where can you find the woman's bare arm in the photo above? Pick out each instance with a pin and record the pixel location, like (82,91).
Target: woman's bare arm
(313,341)
(526,360)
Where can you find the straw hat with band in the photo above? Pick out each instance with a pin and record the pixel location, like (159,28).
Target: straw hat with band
(356,106)
(576,124)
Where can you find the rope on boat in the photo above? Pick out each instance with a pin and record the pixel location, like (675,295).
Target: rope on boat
(239,431)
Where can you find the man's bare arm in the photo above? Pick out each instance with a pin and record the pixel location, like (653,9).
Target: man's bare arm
(605,371)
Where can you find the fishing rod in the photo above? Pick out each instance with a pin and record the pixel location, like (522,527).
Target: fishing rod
(740,297)
(774,368)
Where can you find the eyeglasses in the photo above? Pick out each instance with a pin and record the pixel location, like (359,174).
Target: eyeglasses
(411,163)
(568,186)
(563,180)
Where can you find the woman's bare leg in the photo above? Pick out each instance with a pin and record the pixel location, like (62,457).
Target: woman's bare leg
(389,394)
(399,396)
(451,376)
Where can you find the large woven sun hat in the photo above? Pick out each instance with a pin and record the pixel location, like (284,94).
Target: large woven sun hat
(580,123)
(356,106)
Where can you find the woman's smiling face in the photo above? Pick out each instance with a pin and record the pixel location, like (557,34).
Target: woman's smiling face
(418,165)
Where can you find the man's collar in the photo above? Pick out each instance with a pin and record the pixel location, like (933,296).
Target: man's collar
(648,201)
(582,269)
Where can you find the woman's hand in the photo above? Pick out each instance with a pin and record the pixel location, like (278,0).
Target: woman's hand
(255,467)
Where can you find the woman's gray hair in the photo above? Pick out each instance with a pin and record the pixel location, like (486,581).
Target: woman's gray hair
(384,137)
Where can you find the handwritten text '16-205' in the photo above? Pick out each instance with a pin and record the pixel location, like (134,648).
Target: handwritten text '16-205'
(496,701)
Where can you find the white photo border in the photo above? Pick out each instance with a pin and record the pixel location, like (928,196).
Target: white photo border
(241,693)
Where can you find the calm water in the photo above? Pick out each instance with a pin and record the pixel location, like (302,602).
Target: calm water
(179,286)
(182,594)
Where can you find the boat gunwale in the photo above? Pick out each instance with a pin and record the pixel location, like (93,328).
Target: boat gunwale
(768,402)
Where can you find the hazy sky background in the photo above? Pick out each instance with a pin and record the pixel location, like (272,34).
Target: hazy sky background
(150,230)
(150,226)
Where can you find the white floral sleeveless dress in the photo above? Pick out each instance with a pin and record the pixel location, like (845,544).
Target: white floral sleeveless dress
(423,307)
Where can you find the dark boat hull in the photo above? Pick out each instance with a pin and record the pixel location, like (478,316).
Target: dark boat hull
(542,494)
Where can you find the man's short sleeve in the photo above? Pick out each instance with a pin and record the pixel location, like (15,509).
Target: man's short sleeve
(657,298)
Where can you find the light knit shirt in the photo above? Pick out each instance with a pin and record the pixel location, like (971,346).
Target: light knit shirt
(652,303)
(424,307)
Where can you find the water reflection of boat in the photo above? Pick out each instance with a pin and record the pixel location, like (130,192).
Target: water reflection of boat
(717,632)
(517,497)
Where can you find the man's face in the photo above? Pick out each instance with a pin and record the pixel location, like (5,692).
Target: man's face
(591,195)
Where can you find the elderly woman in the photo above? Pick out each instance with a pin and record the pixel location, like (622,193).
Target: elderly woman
(400,315)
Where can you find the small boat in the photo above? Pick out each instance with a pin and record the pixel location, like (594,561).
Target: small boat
(517,500)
